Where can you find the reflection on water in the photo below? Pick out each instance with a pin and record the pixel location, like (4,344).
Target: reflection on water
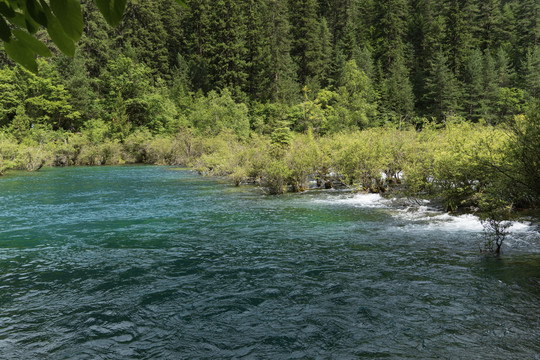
(145,262)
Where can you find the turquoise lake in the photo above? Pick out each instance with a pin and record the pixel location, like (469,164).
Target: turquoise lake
(146,262)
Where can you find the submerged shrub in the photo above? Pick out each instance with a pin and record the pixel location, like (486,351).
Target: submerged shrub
(136,146)
(158,150)
(275,177)
(303,159)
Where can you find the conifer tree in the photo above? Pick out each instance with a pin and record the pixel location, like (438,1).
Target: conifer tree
(474,85)
(396,91)
(364,60)
(324,61)
(491,89)
(489,24)
(528,23)
(280,70)
(80,86)
(532,73)
(197,42)
(460,27)
(142,30)
(397,95)
(426,35)
(96,42)
(256,40)
(508,25)
(228,49)
(391,30)
(505,72)
(442,88)
(305,47)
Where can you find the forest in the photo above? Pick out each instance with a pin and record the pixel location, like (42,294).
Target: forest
(438,97)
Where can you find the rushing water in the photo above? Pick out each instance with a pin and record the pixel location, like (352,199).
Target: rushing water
(151,262)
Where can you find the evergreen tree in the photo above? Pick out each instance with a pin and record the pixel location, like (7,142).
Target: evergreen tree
(426,35)
(391,30)
(460,28)
(508,25)
(358,97)
(96,44)
(324,65)
(397,95)
(197,42)
(491,89)
(474,85)
(305,47)
(505,73)
(75,78)
(280,70)
(228,47)
(442,88)
(531,77)
(489,24)
(364,60)
(256,41)
(142,30)
(528,24)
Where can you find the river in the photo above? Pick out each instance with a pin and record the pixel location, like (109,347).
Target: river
(145,262)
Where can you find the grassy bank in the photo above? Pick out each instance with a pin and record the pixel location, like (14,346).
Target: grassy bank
(464,165)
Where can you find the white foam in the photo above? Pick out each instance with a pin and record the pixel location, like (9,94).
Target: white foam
(357,200)
(421,217)
(427,219)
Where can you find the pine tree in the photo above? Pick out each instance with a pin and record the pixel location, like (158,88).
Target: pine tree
(528,24)
(197,26)
(171,16)
(227,64)
(489,24)
(256,41)
(426,35)
(505,72)
(80,86)
(491,89)
(442,88)
(96,43)
(305,49)
(391,30)
(357,98)
(397,96)
(280,70)
(143,31)
(460,27)
(324,64)
(508,25)
(531,77)
(364,60)
(474,85)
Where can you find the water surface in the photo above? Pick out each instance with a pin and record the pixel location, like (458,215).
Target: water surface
(148,262)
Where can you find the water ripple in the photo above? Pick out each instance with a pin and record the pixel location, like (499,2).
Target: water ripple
(144,262)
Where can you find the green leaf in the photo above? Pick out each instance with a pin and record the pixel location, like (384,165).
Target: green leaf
(68,12)
(6,10)
(34,44)
(36,12)
(57,34)
(112,10)
(20,53)
(5,32)
(30,25)
(18,20)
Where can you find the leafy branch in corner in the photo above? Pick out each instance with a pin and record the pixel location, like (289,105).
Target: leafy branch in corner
(62,19)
